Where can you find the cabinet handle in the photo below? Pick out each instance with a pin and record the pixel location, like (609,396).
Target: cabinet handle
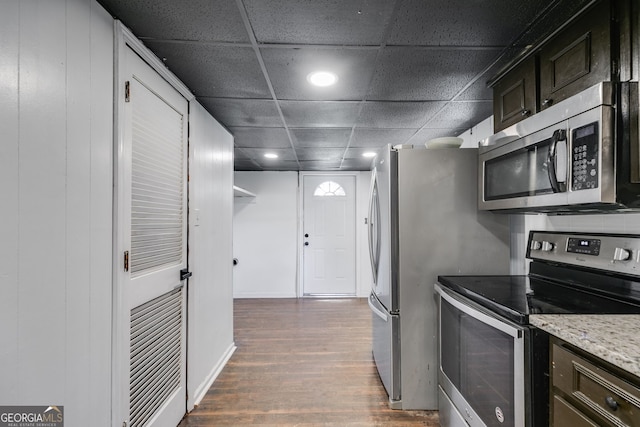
(547,102)
(525,113)
(611,403)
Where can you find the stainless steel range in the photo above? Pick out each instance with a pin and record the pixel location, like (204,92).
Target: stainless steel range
(493,368)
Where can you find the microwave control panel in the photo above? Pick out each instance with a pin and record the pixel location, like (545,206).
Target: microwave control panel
(584,160)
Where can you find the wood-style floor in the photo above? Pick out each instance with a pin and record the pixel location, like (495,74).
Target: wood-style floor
(301,363)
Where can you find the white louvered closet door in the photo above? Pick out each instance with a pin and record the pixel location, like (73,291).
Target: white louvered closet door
(155,210)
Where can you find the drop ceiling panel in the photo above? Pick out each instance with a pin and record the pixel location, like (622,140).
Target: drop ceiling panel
(239,154)
(243,112)
(245,165)
(288,70)
(478,90)
(257,154)
(320,165)
(376,138)
(331,154)
(360,22)
(462,22)
(284,165)
(320,137)
(215,71)
(462,115)
(397,114)
(319,113)
(426,74)
(205,20)
(251,137)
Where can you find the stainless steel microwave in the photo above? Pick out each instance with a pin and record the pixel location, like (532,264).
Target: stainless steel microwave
(580,155)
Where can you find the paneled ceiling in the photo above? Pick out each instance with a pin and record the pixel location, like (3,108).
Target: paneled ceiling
(408,70)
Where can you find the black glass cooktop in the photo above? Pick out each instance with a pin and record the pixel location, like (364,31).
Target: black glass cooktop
(516,297)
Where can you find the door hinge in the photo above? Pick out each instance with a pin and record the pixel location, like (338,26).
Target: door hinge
(127,91)
(126,260)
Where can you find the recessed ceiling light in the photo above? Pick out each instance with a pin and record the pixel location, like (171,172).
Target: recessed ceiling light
(322,78)
(369,154)
(271,156)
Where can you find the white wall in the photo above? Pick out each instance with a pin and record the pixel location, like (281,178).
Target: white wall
(606,223)
(56,70)
(265,235)
(210,294)
(265,238)
(472,137)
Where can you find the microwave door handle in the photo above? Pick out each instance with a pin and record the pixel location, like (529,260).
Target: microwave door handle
(558,135)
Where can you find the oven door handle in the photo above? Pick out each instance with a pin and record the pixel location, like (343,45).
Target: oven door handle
(466,308)
(557,187)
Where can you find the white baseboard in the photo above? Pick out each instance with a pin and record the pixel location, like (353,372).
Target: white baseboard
(201,391)
(263,295)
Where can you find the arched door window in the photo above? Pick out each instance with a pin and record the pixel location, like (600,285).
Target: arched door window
(329,188)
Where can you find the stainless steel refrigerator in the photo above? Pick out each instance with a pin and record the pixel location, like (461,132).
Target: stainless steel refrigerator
(423,222)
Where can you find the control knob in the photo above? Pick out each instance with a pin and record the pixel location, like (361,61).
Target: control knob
(621,254)
(535,245)
(547,246)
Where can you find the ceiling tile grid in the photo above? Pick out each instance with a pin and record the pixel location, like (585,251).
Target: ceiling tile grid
(408,70)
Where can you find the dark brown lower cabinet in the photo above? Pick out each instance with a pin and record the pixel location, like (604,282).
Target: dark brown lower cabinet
(587,391)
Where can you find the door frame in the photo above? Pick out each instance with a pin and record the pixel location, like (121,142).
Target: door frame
(300,233)
(123,40)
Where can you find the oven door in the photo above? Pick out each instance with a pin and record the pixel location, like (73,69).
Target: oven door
(481,364)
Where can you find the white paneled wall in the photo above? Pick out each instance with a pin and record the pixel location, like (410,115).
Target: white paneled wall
(210,251)
(56,70)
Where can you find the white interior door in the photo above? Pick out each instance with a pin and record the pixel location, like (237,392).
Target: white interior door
(152,225)
(329,261)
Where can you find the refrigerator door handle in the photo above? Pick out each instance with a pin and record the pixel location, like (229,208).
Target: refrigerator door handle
(370,236)
(372,305)
(374,221)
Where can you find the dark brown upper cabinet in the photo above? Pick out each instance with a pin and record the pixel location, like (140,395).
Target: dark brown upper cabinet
(581,54)
(514,96)
(577,58)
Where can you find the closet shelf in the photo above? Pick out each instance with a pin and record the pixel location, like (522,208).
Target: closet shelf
(241,192)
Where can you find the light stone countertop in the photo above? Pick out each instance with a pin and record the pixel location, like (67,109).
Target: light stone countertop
(611,337)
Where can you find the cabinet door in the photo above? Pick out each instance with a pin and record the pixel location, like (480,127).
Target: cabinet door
(514,96)
(566,415)
(577,58)
(596,393)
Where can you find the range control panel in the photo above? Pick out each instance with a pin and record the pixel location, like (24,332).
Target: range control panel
(579,245)
(618,253)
